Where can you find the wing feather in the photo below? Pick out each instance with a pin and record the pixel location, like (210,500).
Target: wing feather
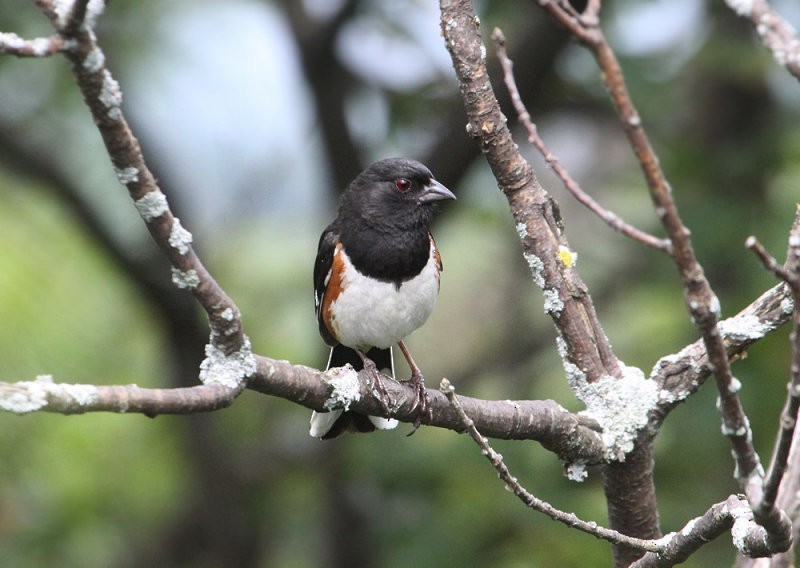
(322,276)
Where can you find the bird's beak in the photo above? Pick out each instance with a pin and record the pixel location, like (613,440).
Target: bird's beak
(435,191)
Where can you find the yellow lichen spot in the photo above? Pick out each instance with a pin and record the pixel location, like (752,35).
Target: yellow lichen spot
(568,257)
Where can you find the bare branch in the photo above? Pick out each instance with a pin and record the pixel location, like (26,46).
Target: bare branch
(571,437)
(681,374)
(788,419)
(779,462)
(43,395)
(776,33)
(773,518)
(530,500)
(789,502)
(613,220)
(230,366)
(699,531)
(589,361)
(769,261)
(12,44)
(567,16)
(732,514)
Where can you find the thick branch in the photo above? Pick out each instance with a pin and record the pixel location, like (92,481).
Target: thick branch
(568,435)
(588,358)
(535,213)
(703,305)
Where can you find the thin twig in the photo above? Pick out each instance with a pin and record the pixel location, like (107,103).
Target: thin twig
(770,263)
(765,509)
(775,32)
(12,44)
(530,500)
(609,217)
(789,414)
(570,18)
(591,16)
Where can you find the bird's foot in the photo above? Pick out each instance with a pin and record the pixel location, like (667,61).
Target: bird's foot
(422,403)
(377,383)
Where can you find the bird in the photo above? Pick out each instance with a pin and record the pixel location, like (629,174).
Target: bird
(376,280)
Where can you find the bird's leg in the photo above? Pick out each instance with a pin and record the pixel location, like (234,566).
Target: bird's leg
(372,369)
(421,401)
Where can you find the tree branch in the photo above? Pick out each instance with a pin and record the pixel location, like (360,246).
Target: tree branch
(43,395)
(76,16)
(766,512)
(536,215)
(230,366)
(681,374)
(12,44)
(530,500)
(102,95)
(573,438)
(610,218)
(733,514)
(775,33)
(788,419)
(703,305)
(616,395)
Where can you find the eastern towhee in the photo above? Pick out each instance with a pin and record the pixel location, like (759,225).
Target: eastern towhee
(376,279)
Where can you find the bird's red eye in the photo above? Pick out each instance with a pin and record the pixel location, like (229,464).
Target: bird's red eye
(402,184)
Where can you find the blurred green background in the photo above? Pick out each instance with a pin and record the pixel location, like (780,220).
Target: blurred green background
(254,115)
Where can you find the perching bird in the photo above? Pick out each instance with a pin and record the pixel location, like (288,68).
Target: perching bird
(376,279)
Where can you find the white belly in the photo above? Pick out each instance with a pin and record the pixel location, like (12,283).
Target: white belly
(377,314)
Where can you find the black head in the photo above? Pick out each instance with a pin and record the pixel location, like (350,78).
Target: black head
(395,192)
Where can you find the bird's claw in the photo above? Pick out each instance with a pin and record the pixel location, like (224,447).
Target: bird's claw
(422,403)
(377,383)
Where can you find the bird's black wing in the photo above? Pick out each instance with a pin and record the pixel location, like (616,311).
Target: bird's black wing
(340,355)
(322,275)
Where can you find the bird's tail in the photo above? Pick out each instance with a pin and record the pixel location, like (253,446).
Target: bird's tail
(327,425)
